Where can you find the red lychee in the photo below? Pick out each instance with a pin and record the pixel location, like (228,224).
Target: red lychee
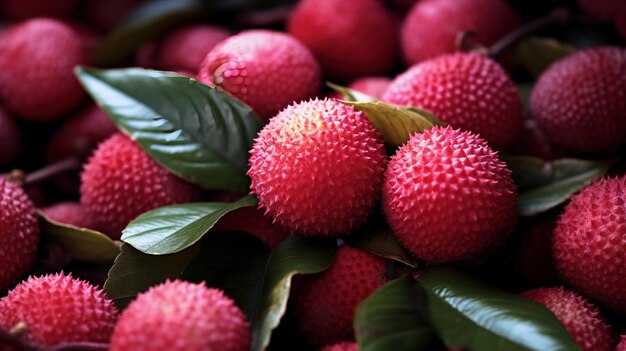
(267,70)
(181,316)
(19,233)
(120,182)
(581,319)
(324,304)
(10,141)
(19,10)
(37,58)
(342,346)
(58,308)
(590,240)
(622,344)
(186,48)
(252,220)
(580,101)
(372,86)
(71,213)
(467,90)
(317,167)
(448,197)
(601,9)
(361,38)
(432,26)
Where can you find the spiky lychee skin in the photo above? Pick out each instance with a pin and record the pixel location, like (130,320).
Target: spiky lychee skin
(19,10)
(10,141)
(120,182)
(186,48)
(365,29)
(581,318)
(372,86)
(252,220)
(601,9)
(309,151)
(447,196)
(19,233)
(589,240)
(467,90)
(579,101)
(58,308)
(342,346)
(37,58)
(267,70)
(71,213)
(181,316)
(432,26)
(324,304)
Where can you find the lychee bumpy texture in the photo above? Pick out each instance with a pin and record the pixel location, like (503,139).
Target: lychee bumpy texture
(342,346)
(448,197)
(581,319)
(120,182)
(267,70)
(157,319)
(467,90)
(580,101)
(19,233)
(57,309)
(589,241)
(317,168)
(324,304)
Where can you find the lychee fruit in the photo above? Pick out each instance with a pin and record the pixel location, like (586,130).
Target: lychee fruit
(372,86)
(37,58)
(185,48)
(267,70)
(467,90)
(581,319)
(19,10)
(19,233)
(589,240)
(622,344)
(71,213)
(10,141)
(181,316)
(448,197)
(580,101)
(324,304)
(432,26)
(317,168)
(532,257)
(120,182)
(58,308)
(252,220)
(601,9)
(342,346)
(360,40)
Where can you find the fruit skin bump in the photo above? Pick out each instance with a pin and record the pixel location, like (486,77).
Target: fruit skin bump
(317,168)
(19,233)
(178,315)
(588,242)
(581,318)
(267,70)
(342,346)
(447,196)
(120,182)
(58,308)
(324,304)
(467,90)
(580,103)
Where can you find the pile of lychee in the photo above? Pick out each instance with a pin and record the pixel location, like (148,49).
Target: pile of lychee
(319,167)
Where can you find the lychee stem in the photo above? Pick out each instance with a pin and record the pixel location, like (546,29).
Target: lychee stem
(65,165)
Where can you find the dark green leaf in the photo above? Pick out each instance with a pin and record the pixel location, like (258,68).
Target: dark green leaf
(351,95)
(173,228)
(196,131)
(81,243)
(536,54)
(468,314)
(379,240)
(295,255)
(394,318)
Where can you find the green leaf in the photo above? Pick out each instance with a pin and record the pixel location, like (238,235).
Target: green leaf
(173,228)
(196,131)
(536,53)
(396,123)
(295,255)
(468,314)
(379,240)
(134,272)
(394,318)
(81,243)
(351,95)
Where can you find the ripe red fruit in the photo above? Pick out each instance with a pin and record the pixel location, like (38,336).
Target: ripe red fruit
(37,58)
(120,182)
(317,167)
(360,40)
(10,143)
(252,220)
(342,346)
(467,90)
(579,100)
(181,316)
(186,48)
(581,319)
(588,243)
(622,344)
(19,233)
(448,197)
(432,26)
(601,9)
(372,86)
(71,213)
(57,309)
(267,70)
(19,10)
(324,304)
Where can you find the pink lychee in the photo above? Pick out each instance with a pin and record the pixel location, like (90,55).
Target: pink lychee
(71,213)
(186,48)
(372,86)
